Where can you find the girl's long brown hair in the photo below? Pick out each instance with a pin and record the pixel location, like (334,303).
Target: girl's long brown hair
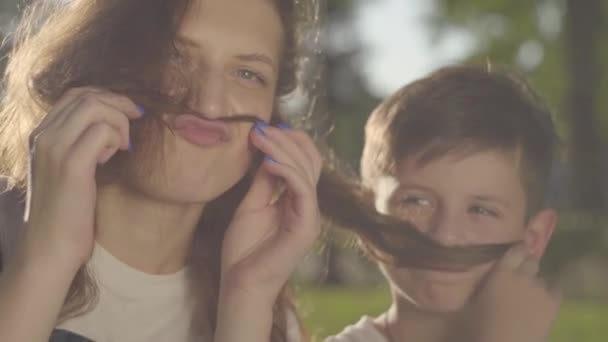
(123,46)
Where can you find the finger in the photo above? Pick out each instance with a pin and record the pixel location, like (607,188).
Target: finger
(555,295)
(84,99)
(283,138)
(279,189)
(514,257)
(95,146)
(121,103)
(309,147)
(303,197)
(65,101)
(529,266)
(83,95)
(90,111)
(297,185)
(272,148)
(261,191)
(293,244)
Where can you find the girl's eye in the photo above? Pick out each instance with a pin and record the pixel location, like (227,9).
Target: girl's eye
(178,58)
(479,210)
(250,76)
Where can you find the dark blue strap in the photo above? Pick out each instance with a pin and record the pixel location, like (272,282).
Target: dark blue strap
(60,335)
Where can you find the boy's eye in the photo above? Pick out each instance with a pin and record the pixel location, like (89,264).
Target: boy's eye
(479,210)
(250,75)
(415,201)
(415,207)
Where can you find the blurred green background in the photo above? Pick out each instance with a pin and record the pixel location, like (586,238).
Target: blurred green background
(560,45)
(327,310)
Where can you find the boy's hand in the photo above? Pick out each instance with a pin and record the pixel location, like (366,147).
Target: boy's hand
(512,304)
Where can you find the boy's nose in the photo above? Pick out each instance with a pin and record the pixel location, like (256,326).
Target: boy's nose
(447,230)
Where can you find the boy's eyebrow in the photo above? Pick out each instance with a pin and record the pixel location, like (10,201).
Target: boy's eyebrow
(415,186)
(492,199)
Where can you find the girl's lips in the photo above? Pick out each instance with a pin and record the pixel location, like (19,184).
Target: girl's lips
(201,131)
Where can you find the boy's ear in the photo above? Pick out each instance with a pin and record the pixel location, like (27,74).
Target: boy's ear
(539,229)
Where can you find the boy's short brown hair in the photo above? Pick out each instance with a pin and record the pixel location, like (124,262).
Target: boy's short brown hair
(464,109)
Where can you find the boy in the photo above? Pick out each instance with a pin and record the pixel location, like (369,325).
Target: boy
(465,154)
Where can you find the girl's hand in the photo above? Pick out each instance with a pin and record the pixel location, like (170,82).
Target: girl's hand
(278,220)
(513,304)
(86,127)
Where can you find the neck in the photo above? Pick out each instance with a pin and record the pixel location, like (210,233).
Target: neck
(145,233)
(405,322)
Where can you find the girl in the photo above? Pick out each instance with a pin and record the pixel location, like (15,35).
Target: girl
(135,172)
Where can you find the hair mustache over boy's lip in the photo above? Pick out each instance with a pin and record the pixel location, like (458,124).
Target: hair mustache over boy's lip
(240,118)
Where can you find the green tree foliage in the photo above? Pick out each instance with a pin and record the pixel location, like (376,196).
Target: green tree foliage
(349,100)
(560,45)
(8,11)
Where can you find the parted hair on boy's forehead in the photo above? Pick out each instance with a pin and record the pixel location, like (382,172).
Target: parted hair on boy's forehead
(463,109)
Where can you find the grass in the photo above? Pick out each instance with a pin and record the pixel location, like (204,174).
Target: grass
(581,321)
(327,311)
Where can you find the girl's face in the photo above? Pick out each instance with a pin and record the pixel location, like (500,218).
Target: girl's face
(231,52)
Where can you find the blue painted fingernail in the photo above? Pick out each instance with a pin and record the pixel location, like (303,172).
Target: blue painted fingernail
(269,158)
(140,109)
(283,125)
(258,127)
(130,146)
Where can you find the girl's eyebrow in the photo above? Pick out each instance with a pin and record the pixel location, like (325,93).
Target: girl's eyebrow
(259,57)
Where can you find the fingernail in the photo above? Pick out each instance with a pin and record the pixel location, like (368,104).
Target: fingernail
(283,125)
(258,127)
(140,109)
(130,146)
(269,158)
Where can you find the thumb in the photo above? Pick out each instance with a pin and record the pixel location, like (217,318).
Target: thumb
(514,257)
(510,261)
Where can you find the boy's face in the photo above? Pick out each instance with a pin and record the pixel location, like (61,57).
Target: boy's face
(459,200)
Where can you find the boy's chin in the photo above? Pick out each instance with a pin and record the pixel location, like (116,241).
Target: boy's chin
(444,304)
